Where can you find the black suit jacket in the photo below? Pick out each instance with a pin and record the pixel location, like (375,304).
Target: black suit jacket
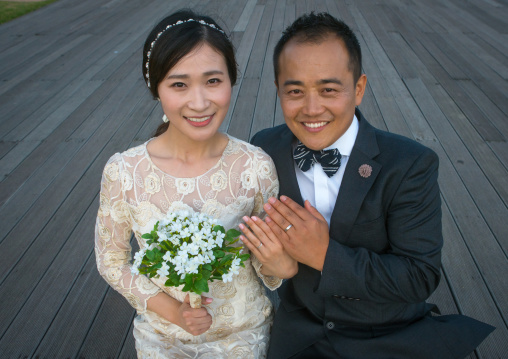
(383,259)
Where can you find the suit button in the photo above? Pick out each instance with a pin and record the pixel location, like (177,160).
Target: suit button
(330,325)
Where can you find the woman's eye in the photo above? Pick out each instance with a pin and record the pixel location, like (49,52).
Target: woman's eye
(178,84)
(214,81)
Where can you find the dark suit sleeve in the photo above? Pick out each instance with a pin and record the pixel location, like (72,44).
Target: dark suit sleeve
(408,270)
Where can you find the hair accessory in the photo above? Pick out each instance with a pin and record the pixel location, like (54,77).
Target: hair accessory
(165,118)
(179,22)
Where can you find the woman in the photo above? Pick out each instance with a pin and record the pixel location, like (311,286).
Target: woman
(189,66)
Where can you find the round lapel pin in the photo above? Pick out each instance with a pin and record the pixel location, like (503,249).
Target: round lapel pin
(365,171)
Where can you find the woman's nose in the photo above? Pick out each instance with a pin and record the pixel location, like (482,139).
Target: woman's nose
(198,100)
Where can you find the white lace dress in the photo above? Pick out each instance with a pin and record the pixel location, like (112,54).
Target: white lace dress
(134,195)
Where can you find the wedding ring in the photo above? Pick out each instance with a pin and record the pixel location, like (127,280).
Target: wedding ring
(287,228)
(260,244)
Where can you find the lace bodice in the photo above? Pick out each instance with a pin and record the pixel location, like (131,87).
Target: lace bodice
(135,193)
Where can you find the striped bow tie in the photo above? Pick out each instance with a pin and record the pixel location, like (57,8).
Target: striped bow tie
(305,159)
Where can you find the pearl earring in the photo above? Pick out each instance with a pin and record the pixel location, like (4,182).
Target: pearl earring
(165,118)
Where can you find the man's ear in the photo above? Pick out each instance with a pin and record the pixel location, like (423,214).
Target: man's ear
(360,89)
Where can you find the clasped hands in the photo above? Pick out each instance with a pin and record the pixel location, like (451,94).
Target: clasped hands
(289,234)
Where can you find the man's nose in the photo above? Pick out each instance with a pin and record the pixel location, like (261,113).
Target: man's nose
(312,106)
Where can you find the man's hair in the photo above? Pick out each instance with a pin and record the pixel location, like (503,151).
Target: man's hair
(315,28)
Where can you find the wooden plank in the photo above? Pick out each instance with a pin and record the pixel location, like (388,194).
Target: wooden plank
(106,336)
(242,58)
(473,113)
(240,124)
(267,95)
(59,340)
(24,148)
(412,115)
(26,331)
(474,143)
(486,17)
(25,253)
(241,25)
(463,268)
(493,210)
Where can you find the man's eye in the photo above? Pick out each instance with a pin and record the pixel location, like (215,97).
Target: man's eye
(295,92)
(329,90)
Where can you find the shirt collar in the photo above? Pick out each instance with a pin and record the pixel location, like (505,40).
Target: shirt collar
(346,142)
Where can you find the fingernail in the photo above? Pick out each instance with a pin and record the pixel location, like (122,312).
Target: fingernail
(254,218)
(272,200)
(268,219)
(241,226)
(245,218)
(268,207)
(242,238)
(208,300)
(283,198)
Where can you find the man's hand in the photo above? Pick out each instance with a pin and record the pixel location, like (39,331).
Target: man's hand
(267,248)
(308,237)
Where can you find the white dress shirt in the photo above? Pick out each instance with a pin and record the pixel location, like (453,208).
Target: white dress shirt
(319,189)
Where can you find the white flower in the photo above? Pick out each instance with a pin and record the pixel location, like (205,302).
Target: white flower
(164,270)
(152,183)
(134,269)
(263,169)
(219,181)
(248,179)
(126,179)
(111,172)
(185,185)
(227,277)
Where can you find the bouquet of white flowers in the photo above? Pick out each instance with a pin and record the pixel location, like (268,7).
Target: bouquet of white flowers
(190,250)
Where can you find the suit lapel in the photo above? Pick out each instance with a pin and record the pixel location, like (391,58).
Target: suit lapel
(283,158)
(354,187)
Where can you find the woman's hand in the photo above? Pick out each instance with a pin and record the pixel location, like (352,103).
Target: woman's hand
(194,321)
(264,244)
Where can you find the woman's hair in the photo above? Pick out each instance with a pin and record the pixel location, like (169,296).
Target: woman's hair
(176,36)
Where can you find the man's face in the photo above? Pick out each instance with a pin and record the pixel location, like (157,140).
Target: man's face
(317,90)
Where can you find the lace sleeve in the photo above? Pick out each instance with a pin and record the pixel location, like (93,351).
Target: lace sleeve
(113,231)
(268,187)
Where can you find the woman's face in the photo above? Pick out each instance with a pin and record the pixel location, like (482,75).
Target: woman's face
(195,94)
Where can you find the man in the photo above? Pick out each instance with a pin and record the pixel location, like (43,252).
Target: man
(368,236)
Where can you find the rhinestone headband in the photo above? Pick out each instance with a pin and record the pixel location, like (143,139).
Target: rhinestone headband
(179,22)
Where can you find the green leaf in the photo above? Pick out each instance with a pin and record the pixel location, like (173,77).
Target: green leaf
(206,274)
(233,233)
(147,236)
(150,255)
(187,287)
(208,267)
(226,258)
(218,228)
(175,279)
(201,286)
(218,254)
(244,256)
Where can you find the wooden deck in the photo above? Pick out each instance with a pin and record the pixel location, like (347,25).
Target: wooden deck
(71,94)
